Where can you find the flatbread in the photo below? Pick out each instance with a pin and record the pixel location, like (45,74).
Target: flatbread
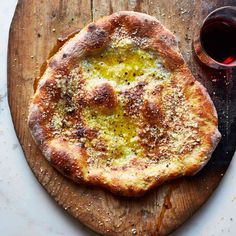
(118,107)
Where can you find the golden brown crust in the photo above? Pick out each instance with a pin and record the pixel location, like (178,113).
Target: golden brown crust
(103,96)
(138,176)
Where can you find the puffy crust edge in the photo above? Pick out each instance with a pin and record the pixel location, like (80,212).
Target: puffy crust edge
(94,37)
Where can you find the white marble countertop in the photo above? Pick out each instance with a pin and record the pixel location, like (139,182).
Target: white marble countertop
(27,210)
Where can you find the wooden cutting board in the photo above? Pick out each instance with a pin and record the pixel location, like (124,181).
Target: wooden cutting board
(34,32)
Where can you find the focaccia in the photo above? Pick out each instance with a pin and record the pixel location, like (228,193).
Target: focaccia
(118,107)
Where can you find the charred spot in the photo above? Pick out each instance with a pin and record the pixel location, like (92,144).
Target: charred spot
(151,111)
(96,37)
(103,96)
(64,55)
(92,27)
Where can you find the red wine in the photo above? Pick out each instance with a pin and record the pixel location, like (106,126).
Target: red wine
(218,38)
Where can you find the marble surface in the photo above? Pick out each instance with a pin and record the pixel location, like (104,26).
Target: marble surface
(27,210)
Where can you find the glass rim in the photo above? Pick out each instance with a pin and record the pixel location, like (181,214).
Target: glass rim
(218,9)
(222,65)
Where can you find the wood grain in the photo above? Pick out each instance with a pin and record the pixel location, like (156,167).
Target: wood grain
(33,34)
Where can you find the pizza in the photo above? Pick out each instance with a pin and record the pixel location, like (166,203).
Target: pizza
(117,107)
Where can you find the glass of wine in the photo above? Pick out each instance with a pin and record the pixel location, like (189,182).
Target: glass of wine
(215,44)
